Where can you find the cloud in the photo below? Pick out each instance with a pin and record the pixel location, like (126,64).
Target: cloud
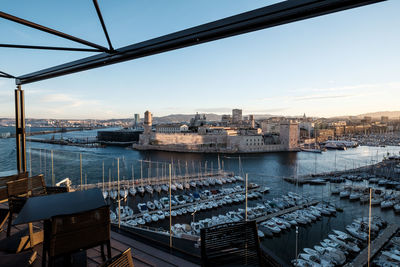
(67,100)
(321,96)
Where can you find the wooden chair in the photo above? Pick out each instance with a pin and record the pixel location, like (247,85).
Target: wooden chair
(4,213)
(17,193)
(231,244)
(3,184)
(5,179)
(37,186)
(122,260)
(67,234)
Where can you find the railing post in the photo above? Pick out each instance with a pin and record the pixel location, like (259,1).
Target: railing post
(20,129)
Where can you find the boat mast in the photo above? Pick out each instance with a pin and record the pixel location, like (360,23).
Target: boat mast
(109,180)
(170,204)
(103,175)
(246,187)
(141,173)
(119,200)
(133,177)
(80,156)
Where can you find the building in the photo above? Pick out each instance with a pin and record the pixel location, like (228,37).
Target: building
(325,134)
(270,126)
(197,121)
(172,128)
(367,119)
(219,139)
(252,121)
(384,119)
(308,128)
(226,120)
(136,120)
(236,116)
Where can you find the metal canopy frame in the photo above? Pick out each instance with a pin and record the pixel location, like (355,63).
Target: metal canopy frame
(269,16)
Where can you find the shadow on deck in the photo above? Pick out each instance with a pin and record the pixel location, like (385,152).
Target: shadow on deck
(142,254)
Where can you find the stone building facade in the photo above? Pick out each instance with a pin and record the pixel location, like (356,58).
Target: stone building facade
(222,140)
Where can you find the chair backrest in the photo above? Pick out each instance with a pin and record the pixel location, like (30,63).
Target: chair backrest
(122,260)
(231,244)
(37,185)
(70,233)
(5,179)
(3,184)
(17,193)
(17,188)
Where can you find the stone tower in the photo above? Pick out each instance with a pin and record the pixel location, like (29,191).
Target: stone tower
(289,135)
(252,121)
(148,122)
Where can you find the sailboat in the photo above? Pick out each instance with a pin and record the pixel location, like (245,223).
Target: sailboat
(186,184)
(123,193)
(141,188)
(157,188)
(105,193)
(132,189)
(149,189)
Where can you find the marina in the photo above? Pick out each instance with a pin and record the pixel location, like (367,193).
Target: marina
(211,145)
(193,171)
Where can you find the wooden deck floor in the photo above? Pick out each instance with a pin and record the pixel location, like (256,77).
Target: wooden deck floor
(142,254)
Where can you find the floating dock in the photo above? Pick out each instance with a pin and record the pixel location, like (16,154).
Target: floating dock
(186,205)
(156,180)
(376,246)
(288,210)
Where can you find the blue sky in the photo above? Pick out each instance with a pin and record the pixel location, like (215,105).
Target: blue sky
(344,63)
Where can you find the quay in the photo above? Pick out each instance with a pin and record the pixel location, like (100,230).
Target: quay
(284,211)
(62,130)
(65,142)
(305,179)
(376,245)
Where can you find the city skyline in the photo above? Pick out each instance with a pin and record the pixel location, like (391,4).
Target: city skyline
(341,64)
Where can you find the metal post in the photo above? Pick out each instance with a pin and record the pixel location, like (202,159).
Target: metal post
(194,214)
(30,161)
(80,157)
(119,200)
(369,227)
(52,169)
(297,232)
(246,199)
(170,204)
(103,175)
(20,129)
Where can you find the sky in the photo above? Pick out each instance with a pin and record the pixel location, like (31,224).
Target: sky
(344,63)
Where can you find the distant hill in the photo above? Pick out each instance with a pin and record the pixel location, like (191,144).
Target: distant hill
(209,116)
(390,114)
(184,118)
(373,115)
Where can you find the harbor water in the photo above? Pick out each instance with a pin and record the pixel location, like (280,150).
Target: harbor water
(57,162)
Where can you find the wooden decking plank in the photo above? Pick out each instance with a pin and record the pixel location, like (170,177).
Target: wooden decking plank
(151,252)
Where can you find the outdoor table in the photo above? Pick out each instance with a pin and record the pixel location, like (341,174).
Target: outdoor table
(44,207)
